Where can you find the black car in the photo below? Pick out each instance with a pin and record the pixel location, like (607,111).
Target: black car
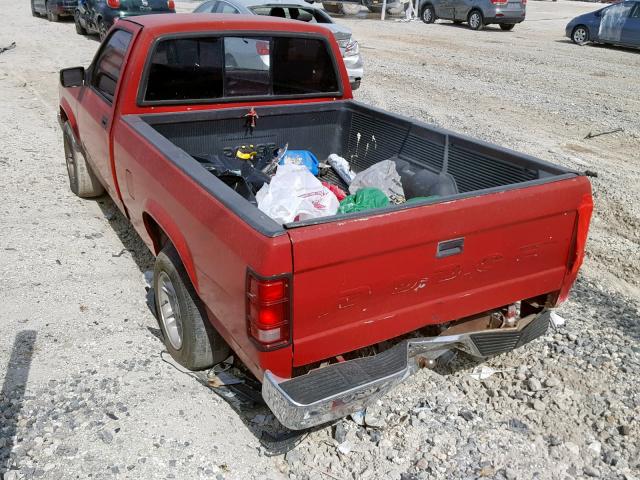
(97,16)
(53,9)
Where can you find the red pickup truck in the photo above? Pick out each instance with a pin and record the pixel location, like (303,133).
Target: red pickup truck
(331,312)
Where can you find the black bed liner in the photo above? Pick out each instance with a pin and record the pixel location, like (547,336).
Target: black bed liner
(361,134)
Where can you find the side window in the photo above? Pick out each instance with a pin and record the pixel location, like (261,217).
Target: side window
(106,71)
(224,7)
(206,7)
(186,69)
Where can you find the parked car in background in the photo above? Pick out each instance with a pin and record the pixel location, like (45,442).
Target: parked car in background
(53,9)
(617,24)
(477,13)
(97,16)
(394,7)
(297,10)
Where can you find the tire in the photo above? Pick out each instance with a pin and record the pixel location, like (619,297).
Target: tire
(52,17)
(33,10)
(331,7)
(103,29)
(428,14)
(507,26)
(580,35)
(80,30)
(82,181)
(188,335)
(475,20)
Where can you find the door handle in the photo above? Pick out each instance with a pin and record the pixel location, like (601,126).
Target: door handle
(446,248)
(104,121)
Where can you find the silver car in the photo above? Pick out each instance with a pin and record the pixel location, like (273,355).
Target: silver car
(296,10)
(477,13)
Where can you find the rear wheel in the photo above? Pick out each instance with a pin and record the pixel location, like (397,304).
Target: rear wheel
(103,29)
(80,30)
(507,26)
(476,22)
(188,335)
(580,35)
(82,180)
(428,14)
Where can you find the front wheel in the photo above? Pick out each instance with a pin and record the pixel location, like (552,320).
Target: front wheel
(428,14)
(580,35)
(476,22)
(80,30)
(507,26)
(82,180)
(188,335)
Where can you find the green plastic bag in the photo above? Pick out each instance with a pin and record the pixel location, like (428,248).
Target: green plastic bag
(364,199)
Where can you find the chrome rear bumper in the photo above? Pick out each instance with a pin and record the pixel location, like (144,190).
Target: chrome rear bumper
(332,392)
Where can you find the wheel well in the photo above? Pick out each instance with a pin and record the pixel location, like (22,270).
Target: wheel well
(156,233)
(425,5)
(63,115)
(581,25)
(475,10)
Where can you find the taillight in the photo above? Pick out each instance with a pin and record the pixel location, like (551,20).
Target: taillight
(268,311)
(262,47)
(585,209)
(171,4)
(499,2)
(113,3)
(524,2)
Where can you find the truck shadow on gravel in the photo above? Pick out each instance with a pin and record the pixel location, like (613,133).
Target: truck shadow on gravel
(12,396)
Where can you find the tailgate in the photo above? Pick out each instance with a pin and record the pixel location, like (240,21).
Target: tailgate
(360,281)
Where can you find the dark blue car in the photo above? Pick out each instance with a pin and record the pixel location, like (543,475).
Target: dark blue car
(617,24)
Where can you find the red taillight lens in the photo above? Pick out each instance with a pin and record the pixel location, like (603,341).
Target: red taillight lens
(171,4)
(499,2)
(268,311)
(262,47)
(113,3)
(577,256)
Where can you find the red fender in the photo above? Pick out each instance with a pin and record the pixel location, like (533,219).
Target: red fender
(172,231)
(67,111)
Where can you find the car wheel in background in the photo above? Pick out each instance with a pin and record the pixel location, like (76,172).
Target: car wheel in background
(475,20)
(580,35)
(103,29)
(188,335)
(82,180)
(52,17)
(331,7)
(507,26)
(33,10)
(428,14)
(80,30)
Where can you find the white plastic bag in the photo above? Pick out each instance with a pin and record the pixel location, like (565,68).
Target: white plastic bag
(295,194)
(382,175)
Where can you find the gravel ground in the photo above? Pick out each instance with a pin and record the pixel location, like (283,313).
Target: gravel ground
(86,392)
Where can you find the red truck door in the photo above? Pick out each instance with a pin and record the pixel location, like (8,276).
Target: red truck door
(96,107)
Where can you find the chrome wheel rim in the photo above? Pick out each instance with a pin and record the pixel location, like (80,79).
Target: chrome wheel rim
(426,15)
(580,35)
(474,20)
(70,158)
(169,310)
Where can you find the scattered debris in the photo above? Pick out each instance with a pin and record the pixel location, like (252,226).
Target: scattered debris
(557,320)
(594,135)
(10,47)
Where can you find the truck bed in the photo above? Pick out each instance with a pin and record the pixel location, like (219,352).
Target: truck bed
(363,278)
(361,134)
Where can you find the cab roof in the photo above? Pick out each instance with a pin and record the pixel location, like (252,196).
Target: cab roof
(167,23)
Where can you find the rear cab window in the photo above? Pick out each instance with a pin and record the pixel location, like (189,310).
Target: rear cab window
(108,65)
(204,69)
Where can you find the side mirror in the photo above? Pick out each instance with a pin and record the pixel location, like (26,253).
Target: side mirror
(72,77)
